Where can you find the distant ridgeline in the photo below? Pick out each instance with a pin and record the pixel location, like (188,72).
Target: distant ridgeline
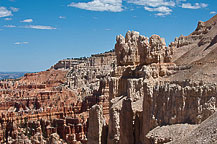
(94,60)
(11,75)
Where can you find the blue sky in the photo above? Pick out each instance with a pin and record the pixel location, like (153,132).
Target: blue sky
(35,34)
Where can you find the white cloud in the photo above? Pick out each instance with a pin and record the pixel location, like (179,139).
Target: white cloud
(4,12)
(9,26)
(27,21)
(163,10)
(14,9)
(203,5)
(20,43)
(212,12)
(8,19)
(40,27)
(153,3)
(195,6)
(100,5)
(162,14)
(62,17)
(163,7)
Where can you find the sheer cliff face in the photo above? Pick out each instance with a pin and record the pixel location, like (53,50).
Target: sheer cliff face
(149,88)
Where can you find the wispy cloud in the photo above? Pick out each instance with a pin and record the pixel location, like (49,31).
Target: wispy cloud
(14,9)
(4,12)
(100,5)
(163,7)
(195,6)
(153,3)
(9,26)
(212,12)
(8,19)
(27,21)
(62,17)
(21,43)
(162,14)
(163,10)
(41,27)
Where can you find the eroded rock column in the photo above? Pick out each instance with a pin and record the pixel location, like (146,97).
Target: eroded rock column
(96,123)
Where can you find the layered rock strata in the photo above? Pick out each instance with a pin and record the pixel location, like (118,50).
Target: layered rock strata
(39,106)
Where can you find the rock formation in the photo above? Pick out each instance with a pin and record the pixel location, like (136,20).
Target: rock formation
(143,92)
(96,124)
(147,72)
(38,105)
(136,49)
(84,78)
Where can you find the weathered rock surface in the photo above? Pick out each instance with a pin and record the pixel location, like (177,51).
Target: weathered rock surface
(33,107)
(85,77)
(96,124)
(145,72)
(136,49)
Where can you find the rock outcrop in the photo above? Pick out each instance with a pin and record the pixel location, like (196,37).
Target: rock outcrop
(136,49)
(177,103)
(85,78)
(148,60)
(147,72)
(96,125)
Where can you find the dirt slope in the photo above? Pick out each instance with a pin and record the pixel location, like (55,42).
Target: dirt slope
(205,133)
(200,54)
